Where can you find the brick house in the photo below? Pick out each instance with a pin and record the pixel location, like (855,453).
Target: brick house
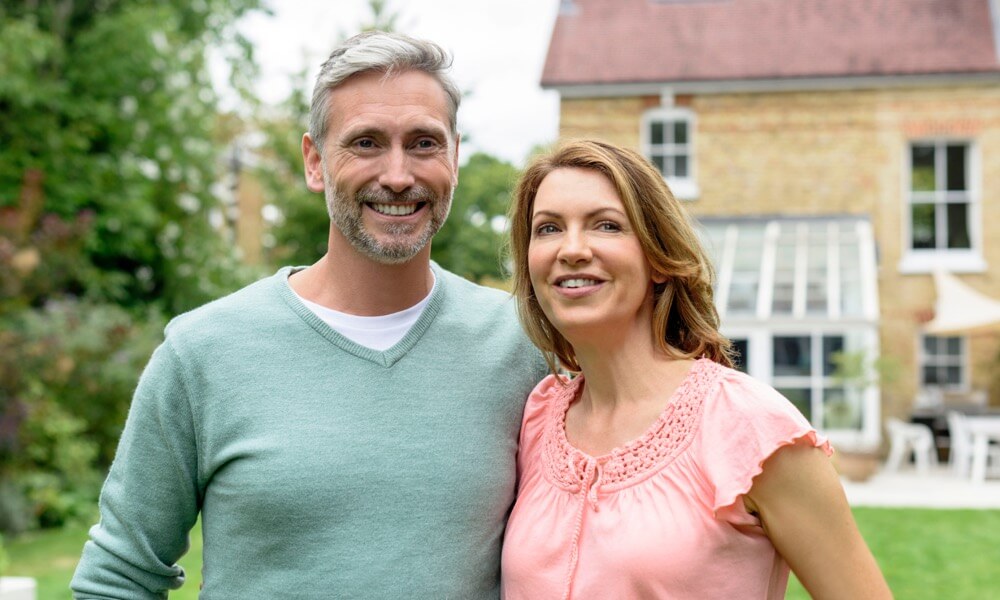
(835,153)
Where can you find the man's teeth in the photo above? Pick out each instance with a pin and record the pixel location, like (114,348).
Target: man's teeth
(395,210)
(576,283)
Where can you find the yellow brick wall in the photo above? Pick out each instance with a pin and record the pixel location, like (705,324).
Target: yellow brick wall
(835,152)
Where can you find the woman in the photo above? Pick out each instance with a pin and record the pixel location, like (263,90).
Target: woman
(658,471)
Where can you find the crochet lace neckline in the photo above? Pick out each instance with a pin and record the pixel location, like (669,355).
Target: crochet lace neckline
(636,460)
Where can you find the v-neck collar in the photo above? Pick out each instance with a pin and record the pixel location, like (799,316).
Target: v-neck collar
(385,358)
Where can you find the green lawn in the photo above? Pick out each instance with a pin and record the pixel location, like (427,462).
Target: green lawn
(50,557)
(928,554)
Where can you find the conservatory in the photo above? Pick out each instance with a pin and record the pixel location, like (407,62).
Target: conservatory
(798,296)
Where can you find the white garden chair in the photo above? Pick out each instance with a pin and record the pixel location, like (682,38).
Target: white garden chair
(960,451)
(906,438)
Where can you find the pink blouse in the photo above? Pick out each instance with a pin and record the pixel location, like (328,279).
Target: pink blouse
(661,517)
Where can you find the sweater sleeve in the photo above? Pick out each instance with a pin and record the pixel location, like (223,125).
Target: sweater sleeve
(744,423)
(151,498)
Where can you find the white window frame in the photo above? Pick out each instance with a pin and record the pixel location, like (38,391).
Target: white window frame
(760,366)
(962,362)
(923,260)
(683,188)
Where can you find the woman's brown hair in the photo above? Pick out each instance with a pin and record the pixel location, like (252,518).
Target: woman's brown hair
(684,314)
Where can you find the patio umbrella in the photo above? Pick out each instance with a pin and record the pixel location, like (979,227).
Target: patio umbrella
(960,309)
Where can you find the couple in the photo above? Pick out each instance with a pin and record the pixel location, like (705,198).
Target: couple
(350,429)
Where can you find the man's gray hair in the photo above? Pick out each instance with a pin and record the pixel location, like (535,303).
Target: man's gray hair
(378,51)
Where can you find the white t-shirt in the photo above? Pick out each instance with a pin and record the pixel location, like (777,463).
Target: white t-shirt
(378,333)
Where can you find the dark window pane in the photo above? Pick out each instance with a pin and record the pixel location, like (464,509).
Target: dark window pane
(923,226)
(680,132)
(833,344)
(958,225)
(659,162)
(801,398)
(932,376)
(792,356)
(656,132)
(952,345)
(931,345)
(740,347)
(956,167)
(680,166)
(952,375)
(922,163)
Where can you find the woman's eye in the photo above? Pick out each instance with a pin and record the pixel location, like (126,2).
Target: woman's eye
(545,229)
(608,226)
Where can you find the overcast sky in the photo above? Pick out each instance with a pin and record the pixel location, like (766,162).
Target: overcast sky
(499,48)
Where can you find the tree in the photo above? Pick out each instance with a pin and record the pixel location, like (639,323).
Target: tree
(107,108)
(108,169)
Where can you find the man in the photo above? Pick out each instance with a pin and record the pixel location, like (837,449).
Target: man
(347,430)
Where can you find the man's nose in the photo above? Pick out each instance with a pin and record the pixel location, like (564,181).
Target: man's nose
(396,174)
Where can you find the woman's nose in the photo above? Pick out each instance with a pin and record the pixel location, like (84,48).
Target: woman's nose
(574,248)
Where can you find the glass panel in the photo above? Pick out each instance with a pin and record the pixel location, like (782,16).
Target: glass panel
(832,344)
(816,275)
(930,345)
(923,226)
(951,375)
(784,272)
(841,410)
(658,162)
(922,173)
(850,279)
(931,375)
(801,398)
(746,269)
(951,345)
(655,132)
(958,225)
(680,132)
(956,167)
(740,347)
(792,356)
(681,166)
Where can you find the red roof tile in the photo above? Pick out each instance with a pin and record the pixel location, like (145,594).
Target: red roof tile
(626,41)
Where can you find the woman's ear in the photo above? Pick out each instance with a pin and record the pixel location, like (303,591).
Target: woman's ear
(659,278)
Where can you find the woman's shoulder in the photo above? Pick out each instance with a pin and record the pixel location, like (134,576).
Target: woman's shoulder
(740,393)
(548,395)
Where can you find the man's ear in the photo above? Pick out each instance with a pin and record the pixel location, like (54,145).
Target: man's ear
(313,164)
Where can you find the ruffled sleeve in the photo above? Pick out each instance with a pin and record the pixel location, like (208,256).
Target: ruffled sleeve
(536,411)
(744,422)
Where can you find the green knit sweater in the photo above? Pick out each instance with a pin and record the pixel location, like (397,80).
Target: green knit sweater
(321,468)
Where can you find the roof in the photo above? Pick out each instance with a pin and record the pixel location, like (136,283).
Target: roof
(779,268)
(642,41)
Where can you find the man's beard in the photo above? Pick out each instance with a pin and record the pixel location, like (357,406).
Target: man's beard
(406,239)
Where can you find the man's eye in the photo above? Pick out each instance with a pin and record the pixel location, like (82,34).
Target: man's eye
(426,144)
(365,143)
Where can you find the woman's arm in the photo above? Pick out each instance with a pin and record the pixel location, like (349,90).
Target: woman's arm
(804,511)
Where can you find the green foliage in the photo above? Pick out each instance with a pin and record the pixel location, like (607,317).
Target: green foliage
(65,383)
(470,242)
(110,154)
(299,237)
(4,558)
(107,110)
